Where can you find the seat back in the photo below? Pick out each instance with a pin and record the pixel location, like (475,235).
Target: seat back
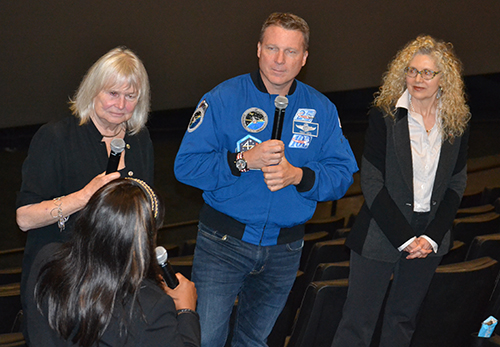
(475,210)
(12,340)
(331,251)
(455,304)
(10,275)
(456,254)
(331,271)
(489,195)
(183,264)
(329,225)
(10,258)
(465,229)
(319,314)
(10,306)
(484,246)
(177,233)
(322,252)
(309,240)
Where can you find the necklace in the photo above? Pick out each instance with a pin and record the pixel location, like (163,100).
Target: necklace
(116,134)
(413,110)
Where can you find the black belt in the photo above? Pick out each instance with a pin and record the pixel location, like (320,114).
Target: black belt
(228,225)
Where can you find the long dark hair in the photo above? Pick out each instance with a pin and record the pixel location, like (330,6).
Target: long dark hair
(101,268)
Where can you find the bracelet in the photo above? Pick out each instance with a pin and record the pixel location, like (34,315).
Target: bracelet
(187,310)
(61,223)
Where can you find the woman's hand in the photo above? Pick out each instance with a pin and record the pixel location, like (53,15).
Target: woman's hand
(184,294)
(419,248)
(45,213)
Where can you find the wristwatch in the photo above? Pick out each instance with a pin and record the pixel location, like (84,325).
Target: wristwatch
(241,163)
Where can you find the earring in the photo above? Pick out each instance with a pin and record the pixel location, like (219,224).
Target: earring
(440,91)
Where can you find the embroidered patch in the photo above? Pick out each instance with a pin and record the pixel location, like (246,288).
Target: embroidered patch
(254,120)
(197,117)
(305,128)
(246,143)
(305,114)
(300,141)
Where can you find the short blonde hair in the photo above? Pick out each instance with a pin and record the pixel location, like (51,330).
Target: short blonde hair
(287,21)
(118,67)
(454,112)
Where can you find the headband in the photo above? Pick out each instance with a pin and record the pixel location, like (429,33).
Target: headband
(151,193)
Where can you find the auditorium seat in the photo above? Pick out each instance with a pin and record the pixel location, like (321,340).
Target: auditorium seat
(12,340)
(341,233)
(484,246)
(319,314)
(187,247)
(322,252)
(331,271)
(183,264)
(455,304)
(324,210)
(456,254)
(489,195)
(465,229)
(493,341)
(10,275)
(329,225)
(471,199)
(10,307)
(10,258)
(475,210)
(177,233)
(309,240)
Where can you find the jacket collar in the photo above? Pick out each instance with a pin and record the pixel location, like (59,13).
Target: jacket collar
(259,83)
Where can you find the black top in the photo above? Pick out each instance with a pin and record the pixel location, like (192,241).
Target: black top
(64,157)
(154,323)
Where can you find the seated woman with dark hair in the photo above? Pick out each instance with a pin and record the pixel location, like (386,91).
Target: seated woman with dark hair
(103,287)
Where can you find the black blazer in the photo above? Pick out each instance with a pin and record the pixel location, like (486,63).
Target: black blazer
(383,223)
(155,323)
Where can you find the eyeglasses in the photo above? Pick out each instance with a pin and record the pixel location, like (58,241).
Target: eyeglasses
(425,74)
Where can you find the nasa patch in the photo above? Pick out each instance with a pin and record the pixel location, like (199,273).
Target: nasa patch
(247,143)
(300,141)
(305,128)
(305,115)
(197,117)
(254,120)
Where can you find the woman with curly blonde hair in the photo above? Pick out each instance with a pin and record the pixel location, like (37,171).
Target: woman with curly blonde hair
(413,177)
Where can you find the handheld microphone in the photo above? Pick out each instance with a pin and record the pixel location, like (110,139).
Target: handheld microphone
(117,147)
(281,102)
(168,272)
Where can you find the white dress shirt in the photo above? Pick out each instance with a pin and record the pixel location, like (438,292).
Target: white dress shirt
(425,151)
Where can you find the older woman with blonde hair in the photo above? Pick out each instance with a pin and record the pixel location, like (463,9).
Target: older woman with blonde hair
(67,159)
(413,177)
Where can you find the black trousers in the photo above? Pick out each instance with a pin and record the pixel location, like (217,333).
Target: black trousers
(369,281)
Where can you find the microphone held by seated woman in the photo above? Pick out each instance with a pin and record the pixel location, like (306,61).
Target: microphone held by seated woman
(103,286)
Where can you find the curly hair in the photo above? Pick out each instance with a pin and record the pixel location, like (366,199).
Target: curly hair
(454,112)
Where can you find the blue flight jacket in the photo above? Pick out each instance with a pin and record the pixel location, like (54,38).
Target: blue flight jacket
(239,113)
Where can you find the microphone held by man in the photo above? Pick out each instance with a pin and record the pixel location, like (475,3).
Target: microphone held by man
(281,102)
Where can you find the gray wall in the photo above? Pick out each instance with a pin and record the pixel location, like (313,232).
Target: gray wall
(189,46)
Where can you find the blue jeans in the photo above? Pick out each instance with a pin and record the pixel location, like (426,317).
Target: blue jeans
(224,268)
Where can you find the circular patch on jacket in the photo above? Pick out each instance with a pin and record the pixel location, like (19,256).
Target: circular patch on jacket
(254,120)
(197,117)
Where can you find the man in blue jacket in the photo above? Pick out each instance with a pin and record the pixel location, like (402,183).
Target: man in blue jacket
(259,192)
